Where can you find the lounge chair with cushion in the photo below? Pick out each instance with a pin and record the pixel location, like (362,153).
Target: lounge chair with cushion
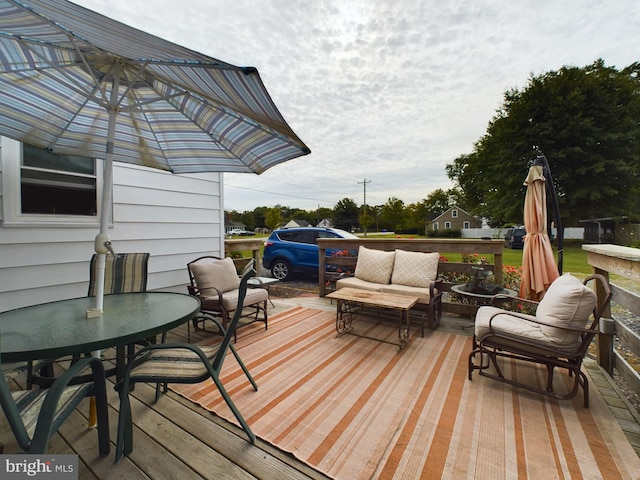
(216,283)
(557,336)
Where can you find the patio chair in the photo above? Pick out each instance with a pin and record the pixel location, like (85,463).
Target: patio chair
(35,415)
(181,363)
(557,336)
(215,282)
(124,273)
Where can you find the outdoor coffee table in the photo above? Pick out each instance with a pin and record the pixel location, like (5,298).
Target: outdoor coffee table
(350,298)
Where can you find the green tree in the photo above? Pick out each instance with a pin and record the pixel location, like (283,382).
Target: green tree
(258,215)
(439,201)
(585,121)
(416,216)
(392,215)
(345,214)
(273,217)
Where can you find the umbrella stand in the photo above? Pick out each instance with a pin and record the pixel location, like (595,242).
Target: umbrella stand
(541,160)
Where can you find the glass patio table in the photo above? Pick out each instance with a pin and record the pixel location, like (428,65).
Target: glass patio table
(61,328)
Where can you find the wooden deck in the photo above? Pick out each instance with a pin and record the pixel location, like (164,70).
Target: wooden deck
(175,438)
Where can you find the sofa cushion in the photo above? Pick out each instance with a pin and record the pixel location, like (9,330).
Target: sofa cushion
(515,327)
(220,274)
(567,303)
(415,269)
(374,265)
(507,324)
(253,296)
(355,282)
(421,292)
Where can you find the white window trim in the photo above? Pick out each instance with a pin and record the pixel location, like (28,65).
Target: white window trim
(466,224)
(12,216)
(447,225)
(454,213)
(435,225)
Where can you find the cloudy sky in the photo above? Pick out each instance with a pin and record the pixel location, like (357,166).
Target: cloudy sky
(386,92)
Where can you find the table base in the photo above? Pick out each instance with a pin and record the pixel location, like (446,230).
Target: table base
(344,321)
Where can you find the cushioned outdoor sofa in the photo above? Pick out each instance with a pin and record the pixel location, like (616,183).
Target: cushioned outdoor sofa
(403,273)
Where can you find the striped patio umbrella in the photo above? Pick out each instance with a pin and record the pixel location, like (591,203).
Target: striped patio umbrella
(75,82)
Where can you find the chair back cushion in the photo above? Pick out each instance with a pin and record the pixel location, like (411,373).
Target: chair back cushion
(124,273)
(415,269)
(374,265)
(212,274)
(567,303)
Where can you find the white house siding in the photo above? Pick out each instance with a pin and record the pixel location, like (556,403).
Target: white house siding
(175,218)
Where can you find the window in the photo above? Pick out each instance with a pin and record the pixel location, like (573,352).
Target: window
(466,224)
(454,213)
(42,188)
(435,225)
(447,225)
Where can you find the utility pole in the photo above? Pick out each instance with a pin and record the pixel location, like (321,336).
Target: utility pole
(364,184)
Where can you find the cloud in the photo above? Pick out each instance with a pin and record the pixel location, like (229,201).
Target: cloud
(385,91)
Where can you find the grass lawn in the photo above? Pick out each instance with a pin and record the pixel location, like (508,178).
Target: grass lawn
(574,259)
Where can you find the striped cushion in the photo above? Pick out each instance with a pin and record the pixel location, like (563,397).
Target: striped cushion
(29,403)
(124,273)
(174,365)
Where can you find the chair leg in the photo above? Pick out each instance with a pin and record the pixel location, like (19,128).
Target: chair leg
(124,438)
(244,368)
(550,377)
(234,409)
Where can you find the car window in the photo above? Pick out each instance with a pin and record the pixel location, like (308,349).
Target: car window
(288,236)
(298,236)
(327,234)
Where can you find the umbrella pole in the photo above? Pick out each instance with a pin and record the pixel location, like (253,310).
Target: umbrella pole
(103,242)
(542,160)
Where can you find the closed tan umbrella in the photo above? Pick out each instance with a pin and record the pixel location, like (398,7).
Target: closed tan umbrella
(539,267)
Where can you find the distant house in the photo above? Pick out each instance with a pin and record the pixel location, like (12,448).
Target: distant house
(230,225)
(455,218)
(49,219)
(297,223)
(325,223)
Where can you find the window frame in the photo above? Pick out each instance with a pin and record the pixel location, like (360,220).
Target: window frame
(12,216)
(466,224)
(447,225)
(454,213)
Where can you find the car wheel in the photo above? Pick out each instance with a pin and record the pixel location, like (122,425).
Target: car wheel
(281,270)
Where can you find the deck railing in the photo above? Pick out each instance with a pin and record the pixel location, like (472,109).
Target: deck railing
(624,262)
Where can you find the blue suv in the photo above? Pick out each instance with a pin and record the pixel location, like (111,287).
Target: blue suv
(289,251)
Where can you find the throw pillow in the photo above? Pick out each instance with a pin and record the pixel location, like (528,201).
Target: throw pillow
(567,303)
(374,265)
(220,274)
(415,269)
